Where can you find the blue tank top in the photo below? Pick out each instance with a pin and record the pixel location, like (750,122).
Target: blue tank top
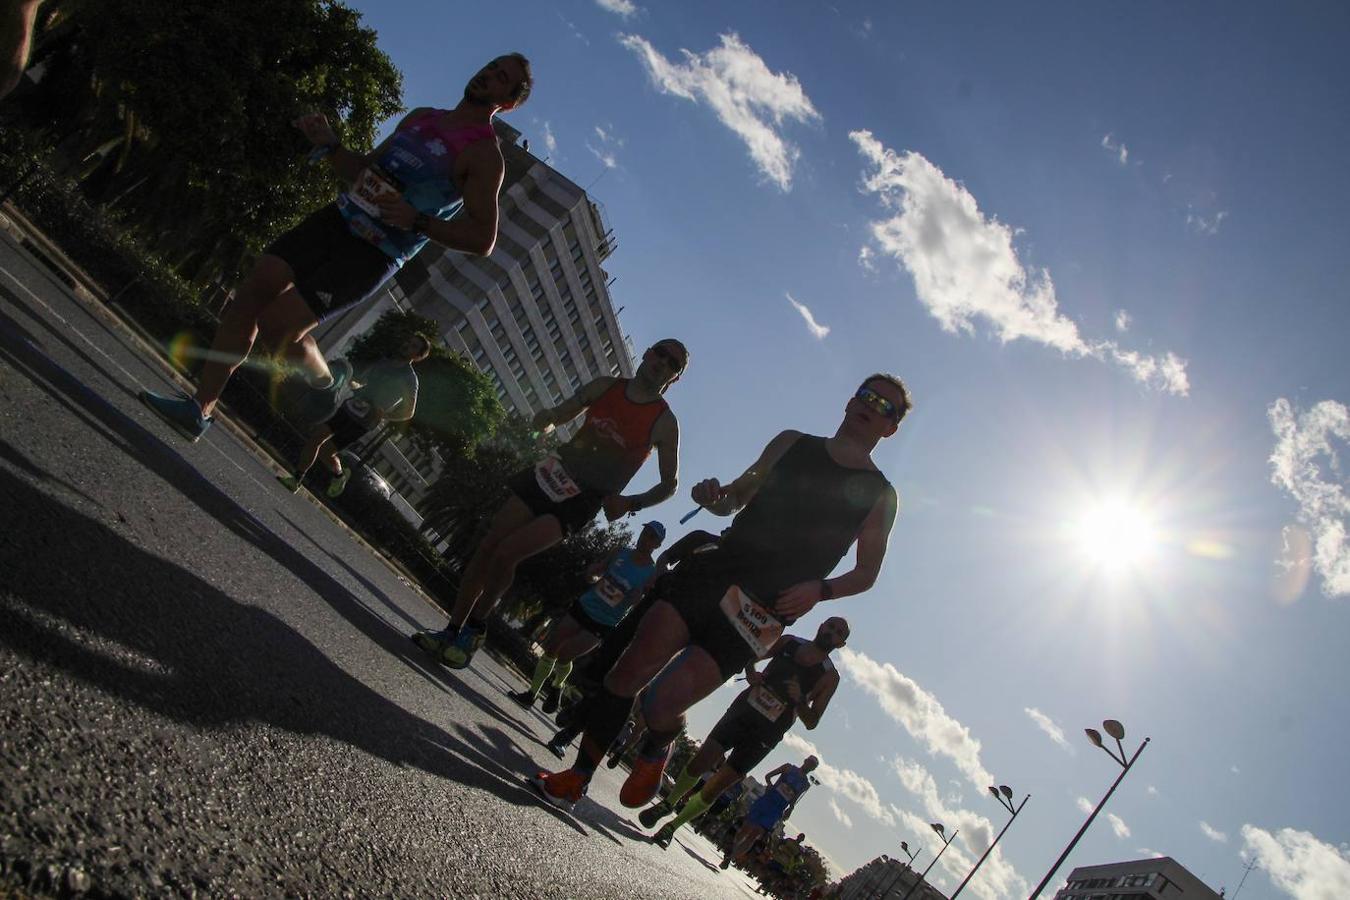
(610,598)
(791,784)
(418,163)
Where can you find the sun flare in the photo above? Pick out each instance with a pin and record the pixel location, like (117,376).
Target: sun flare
(1115,534)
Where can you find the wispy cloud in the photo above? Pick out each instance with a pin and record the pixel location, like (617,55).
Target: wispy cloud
(1122,831)
(1307,466)
(1298,863)
(1206,225)
(572,27)
(840,814)
(1046,724)
(550,140)
(625,8)
(818,331)
(845,782)
(966,269)
(1117,149)
(1145,851)
(1123,320)
(1212,833)
(997,877)
(609,144)
(747,97)
(1152,791)
(919,712)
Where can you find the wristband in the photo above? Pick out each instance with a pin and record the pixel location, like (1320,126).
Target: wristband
(826,593)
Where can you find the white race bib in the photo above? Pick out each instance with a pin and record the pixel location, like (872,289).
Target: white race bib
(611,592)
(752,622)
(766,702)
(554,480)
(368,190)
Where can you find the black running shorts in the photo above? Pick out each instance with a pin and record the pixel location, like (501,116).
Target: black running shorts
(333,269)
(573,513)
(582,618)
(347,430)
(748,735)
(696,590)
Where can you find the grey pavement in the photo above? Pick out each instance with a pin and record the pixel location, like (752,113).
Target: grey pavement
(206,685)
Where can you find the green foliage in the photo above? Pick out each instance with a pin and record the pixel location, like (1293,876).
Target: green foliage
(181,111)
(558,575)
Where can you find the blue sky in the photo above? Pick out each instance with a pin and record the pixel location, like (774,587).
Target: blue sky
(1105,248)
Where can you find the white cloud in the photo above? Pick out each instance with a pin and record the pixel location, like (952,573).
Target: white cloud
(1117,148)
(625,8)
(1046,724)
(1118,826)
(1213,833)
(1306,465)
(997,877)
(1206,225)
(1152,791)
(919,712)
(1145,851)
(550,140)
(840,814)
(845,781)
(1299,864)
(1235,770)
(865,258)
(746,96)
(606,157)
(1085,805)
(818,331)
(966,269)
(1123,320)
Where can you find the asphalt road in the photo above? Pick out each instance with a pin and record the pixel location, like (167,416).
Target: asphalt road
(206,685)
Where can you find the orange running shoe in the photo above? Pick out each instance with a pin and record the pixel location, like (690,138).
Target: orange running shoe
(644,781)
(562,789)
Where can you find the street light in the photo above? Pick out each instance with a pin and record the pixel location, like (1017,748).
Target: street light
(1117,733)
(1003,794)
(946,842)
(898,875)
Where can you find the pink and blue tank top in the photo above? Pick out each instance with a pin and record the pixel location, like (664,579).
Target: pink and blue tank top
(418,163)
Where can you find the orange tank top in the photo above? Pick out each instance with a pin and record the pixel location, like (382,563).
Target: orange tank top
(614,440)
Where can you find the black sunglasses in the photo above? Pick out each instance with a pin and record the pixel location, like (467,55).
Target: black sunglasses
(877,403)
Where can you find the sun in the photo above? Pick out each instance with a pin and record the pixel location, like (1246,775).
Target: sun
(1115,534)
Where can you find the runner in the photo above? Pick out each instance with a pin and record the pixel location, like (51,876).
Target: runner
(620,580)
(437,164)
(800,680)
(385,391)
(571,720)
(798,508)
(625,419)
(17,20)
(786,784)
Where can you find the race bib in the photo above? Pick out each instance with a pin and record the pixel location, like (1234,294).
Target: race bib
(554,480)
(766,702)
(369,188)
(752,622)
(785,790)
(611,592)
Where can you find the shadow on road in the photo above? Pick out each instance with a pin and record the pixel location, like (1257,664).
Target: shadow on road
(82,599)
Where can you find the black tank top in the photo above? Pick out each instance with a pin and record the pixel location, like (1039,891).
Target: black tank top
(802,520)
(782,668)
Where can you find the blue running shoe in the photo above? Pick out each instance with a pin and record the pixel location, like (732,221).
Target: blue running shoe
(182,412)
(460,653)
(435,642)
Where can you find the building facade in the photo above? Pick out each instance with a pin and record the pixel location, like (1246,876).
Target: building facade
(886,879)
(536,315)
(1158,878)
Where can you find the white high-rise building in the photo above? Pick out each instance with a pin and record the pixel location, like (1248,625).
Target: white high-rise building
(536,315)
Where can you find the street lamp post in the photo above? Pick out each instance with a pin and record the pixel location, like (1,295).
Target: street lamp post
(1003,794)
(1117,732)
(881,895)
(946,842)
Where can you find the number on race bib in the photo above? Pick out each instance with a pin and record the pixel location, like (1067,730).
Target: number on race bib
(554,481)
(611,591)
(755,624)
(371,185)
(766,702)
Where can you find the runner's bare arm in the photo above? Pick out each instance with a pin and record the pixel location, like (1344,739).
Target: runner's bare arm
(666,440)
(725,501)
(813,705)
(573,406)
(777,772)
(597,568)
(348,163)
(474,227)
(799,599)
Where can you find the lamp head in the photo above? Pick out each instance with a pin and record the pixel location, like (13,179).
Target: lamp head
(1094,735)
(1114,728)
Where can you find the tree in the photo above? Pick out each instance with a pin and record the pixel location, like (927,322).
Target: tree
(186,108)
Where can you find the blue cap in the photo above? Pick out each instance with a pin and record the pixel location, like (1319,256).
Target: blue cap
(656,527)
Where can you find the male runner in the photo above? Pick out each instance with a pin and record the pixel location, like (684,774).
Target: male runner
(799,508)
(598,664)
(17,20)
(619,582)
(385,391)
(437,164)
(625,419)
(799,680)
(786,784)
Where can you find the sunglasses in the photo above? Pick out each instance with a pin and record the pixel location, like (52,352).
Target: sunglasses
(670,359)
(877,403)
